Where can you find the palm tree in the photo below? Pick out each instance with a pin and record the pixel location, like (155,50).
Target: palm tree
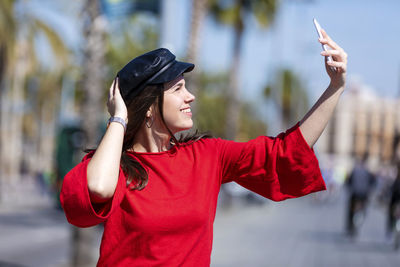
(233,13)
(7,38)
(199,11)
(133,37)
(7,34)
(92,107)
(93,71)
(289,95)
(212,104)
(105,54)
(21,60)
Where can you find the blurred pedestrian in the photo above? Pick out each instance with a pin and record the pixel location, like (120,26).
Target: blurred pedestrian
(359,184)
(385,177)
(393,203)
(158,195)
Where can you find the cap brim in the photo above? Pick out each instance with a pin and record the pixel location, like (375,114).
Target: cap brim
(175,70)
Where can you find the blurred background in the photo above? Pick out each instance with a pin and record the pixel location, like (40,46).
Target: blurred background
(258,71)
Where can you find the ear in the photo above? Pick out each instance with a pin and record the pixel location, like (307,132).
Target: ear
(149,112)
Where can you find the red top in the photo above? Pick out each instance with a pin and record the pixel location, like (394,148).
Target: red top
(170,222)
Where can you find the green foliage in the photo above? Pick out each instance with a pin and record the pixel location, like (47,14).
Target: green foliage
(234,12)
(212,106)
(250,125)
(226,14)
(130,38)
(26,28)
(267,91)
(127,40)
(211,103)
(42,91)
(264,11)
(60,51)
(287,91)
(7,34)
(211,114)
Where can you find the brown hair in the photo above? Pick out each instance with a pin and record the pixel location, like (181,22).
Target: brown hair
(136,175)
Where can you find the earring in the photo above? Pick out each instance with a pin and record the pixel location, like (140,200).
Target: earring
(151,121)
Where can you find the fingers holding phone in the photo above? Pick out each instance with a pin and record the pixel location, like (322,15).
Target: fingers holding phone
(321,36)
(336,53)
(335,57)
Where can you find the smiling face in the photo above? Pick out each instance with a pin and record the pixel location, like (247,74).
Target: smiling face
(176,106)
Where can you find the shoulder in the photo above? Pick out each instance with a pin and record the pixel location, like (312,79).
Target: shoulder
(209,146)
(218,146)
(203,142)
(89,154)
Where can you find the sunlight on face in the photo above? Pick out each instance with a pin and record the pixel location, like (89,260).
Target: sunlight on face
(176,106)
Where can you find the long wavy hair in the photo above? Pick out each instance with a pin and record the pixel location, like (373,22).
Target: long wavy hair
(136,175)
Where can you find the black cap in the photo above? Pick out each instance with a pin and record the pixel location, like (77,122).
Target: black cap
(154,67)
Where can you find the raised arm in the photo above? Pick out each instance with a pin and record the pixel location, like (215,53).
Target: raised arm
(103,169)
(315,121)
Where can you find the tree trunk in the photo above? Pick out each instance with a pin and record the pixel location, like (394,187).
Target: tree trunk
(3,137)
(12,119)
(83,239)
(46,137)
(233,109)
(93,70)
(199,11)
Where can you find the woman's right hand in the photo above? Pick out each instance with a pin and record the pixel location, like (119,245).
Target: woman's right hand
(103,168)
(115,104)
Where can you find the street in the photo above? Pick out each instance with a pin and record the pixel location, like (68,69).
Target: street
(300,232)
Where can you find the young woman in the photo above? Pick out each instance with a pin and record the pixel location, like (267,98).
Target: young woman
(156,195)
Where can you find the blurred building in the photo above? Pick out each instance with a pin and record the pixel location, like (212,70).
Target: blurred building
(363,123)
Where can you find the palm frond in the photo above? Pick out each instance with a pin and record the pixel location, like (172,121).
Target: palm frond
(60,51)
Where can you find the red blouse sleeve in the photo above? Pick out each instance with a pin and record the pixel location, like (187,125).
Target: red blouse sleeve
(75,200)
(276,168)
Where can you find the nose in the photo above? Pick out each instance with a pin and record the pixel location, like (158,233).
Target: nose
(189,97)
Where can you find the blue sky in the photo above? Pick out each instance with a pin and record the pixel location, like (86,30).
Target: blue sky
(368,30)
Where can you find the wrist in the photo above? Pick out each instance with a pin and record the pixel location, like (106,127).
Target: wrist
(335,87)
(119,120)
(337,83)
(122,116)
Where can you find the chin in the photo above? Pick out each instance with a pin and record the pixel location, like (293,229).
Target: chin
(183,128)
(179,126)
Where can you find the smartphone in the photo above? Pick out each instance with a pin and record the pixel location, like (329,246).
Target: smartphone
(318,28)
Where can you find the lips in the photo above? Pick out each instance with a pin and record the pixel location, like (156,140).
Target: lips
(186,110)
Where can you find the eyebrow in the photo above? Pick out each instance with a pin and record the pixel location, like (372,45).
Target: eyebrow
(178,84)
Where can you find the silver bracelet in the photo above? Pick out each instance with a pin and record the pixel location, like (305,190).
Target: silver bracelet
(117,119)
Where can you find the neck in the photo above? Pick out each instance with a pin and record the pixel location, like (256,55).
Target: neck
(152,139)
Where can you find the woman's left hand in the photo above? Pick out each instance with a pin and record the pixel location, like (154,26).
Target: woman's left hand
(337,68)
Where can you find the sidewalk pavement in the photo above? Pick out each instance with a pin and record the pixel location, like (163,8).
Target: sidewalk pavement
(299,232)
